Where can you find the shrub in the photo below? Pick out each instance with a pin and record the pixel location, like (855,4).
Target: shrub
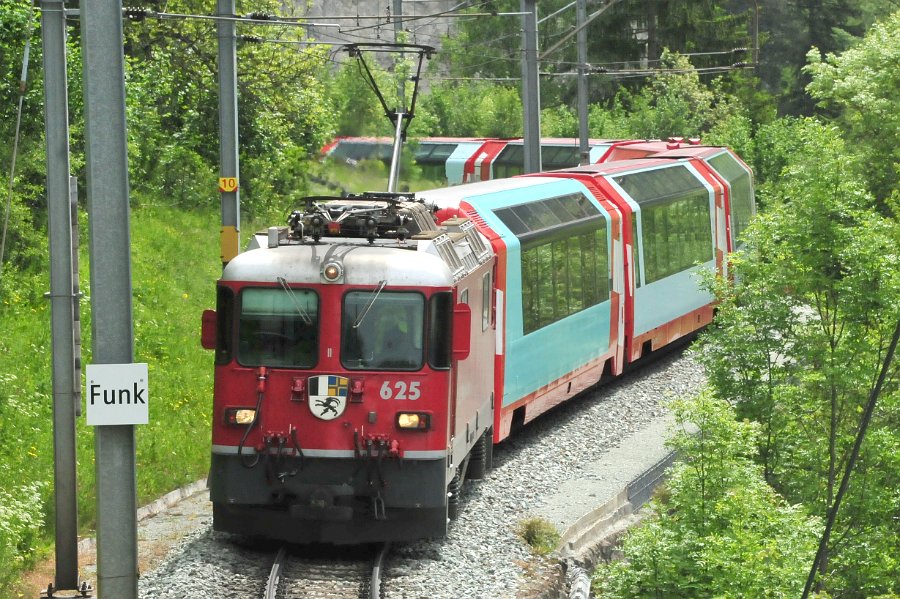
(541,535)
(20,524)
(723,531)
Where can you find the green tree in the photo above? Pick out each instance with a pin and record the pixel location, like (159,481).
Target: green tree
(626,34)
(470,109)
(676,103)
(172,94)
(789,28)
(27,211)
(800,341)
(358,111)
(860,86)
(718,530)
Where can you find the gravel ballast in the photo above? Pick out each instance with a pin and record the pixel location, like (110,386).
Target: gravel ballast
(482,555)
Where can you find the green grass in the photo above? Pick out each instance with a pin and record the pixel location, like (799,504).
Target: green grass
(26,448)
(540,535)
(175,263)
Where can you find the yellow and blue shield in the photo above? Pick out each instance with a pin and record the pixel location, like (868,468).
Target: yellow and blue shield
(328,395)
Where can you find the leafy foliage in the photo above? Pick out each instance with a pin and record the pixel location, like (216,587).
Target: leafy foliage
(358,111)
(490,46)
(676,104)
(720,530)
(173,110)
(26,208)
(476,110)
(21,520)
(861,85)
(799,343)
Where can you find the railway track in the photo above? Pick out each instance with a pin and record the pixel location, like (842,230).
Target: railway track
(482,556)
(323,573)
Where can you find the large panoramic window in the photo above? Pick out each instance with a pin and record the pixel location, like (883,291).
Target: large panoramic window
(738,178)
(278,327)
(675,217)
(565,257)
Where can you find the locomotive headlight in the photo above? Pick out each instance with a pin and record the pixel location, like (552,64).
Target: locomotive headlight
(332,272)
(413,421)
(240,416)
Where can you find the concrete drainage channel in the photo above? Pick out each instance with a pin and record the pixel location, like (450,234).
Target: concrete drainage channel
(596,509)
(164,503)
(599,543)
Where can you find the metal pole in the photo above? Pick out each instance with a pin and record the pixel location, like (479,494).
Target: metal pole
(398,30)
(56,127)
(106,151)
(229,164)
(531,95)
(756,37)
(76,291)
(581,16)
(395,157)
(401,101)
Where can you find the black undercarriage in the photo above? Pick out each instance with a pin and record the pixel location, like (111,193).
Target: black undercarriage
(329,500)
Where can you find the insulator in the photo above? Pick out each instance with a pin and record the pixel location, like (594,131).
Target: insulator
(259,16)
(135,13)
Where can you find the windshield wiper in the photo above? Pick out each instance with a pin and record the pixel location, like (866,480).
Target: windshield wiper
(368,307)
(283,282)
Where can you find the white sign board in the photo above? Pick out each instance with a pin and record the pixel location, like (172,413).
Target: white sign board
(116,394)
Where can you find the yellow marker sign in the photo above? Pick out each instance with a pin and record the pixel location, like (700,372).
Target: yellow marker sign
(230,243)
(228,184)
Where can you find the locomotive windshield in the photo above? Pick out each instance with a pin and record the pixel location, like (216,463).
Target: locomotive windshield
(278,327)
(388,336)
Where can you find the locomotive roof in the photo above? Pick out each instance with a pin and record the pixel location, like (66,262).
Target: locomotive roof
(363,264)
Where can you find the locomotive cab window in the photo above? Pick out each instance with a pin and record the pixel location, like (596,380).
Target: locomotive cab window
(278,328)
(383,331)
(224,320)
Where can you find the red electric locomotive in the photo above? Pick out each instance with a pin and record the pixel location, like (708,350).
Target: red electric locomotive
(353,383)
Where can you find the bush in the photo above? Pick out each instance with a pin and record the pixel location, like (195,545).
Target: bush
(723,532)
(541,535)
(20,525)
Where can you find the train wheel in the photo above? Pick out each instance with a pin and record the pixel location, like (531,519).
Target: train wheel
(453,491)
(482,456)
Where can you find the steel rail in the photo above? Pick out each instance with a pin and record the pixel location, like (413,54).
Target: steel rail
(275,575)
(375,585)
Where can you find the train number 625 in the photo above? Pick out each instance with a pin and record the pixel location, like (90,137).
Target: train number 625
(401,390)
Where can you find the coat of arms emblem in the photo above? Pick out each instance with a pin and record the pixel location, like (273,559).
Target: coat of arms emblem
(328,395)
